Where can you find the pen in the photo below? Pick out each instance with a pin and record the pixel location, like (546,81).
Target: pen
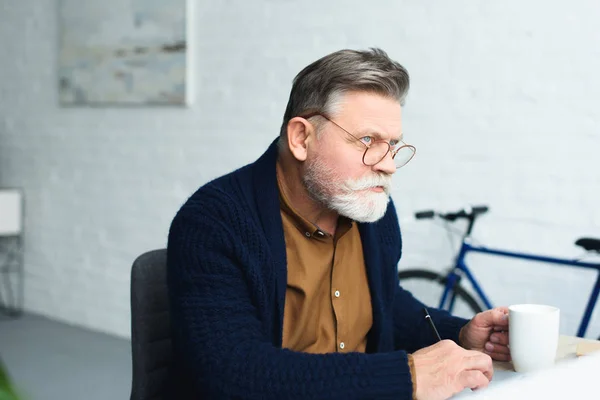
(431,324)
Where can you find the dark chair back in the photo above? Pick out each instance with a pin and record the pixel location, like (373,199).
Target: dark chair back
(150,327)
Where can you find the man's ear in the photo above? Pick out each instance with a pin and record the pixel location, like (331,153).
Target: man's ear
(299,134)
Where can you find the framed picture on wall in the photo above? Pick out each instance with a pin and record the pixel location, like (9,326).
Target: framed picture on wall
(123,52)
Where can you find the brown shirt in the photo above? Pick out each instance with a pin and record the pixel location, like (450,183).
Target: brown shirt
(327,301)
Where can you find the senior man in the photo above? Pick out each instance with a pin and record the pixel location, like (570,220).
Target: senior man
(282,274)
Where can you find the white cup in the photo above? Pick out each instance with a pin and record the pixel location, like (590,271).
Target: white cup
(533,332)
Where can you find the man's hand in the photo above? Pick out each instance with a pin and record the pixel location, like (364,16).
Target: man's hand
(488,332)
(445,369)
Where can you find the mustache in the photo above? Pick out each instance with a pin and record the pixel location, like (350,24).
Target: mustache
(368,182)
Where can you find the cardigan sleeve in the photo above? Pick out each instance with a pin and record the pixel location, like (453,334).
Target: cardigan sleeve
(219,340)
(412,332)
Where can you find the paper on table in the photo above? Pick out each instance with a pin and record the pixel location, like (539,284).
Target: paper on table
(499,376)
(571,379)
(586,347)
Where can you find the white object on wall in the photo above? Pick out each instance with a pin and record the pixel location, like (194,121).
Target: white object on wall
(11,212)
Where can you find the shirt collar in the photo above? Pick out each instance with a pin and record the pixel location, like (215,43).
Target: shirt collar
(306,227)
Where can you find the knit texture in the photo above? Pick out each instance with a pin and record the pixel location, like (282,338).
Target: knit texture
(227,282)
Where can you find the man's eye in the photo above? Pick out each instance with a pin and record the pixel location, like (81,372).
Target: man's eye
(394,143)
(366,139)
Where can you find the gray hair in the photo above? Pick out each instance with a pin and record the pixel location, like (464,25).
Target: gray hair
(320,86)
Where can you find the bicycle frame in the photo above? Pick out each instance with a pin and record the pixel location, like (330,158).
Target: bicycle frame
(454,277)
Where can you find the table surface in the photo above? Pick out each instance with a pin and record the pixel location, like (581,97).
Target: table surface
(567,346)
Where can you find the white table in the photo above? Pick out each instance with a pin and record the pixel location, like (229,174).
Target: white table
(567,346)
(503,371)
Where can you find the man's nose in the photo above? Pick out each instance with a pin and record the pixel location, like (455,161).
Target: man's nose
(386,165)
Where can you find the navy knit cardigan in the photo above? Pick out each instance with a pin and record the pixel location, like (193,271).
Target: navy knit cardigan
(227,279)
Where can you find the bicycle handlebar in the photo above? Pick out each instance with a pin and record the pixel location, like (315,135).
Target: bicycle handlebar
(465,213)
(468,213)
(425,214)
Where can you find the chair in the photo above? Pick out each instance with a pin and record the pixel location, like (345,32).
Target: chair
(11,251)
(150,326)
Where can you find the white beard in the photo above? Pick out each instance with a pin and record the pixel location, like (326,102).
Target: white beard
(351,198)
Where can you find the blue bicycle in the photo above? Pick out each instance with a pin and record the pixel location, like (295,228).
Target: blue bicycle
(446,291)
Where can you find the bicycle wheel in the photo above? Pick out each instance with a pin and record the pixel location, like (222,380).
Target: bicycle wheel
(428,287)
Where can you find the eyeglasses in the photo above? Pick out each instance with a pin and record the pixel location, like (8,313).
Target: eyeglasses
(376,150)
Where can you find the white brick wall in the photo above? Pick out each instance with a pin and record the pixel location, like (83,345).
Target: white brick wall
(503,110)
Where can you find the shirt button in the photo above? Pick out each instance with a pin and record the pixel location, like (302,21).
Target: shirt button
(342,345)
(337,293)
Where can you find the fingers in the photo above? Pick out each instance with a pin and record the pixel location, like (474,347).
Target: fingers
(504,309)
(479,361)
(496,348)
(499,317)
(499,338)
(473,379)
